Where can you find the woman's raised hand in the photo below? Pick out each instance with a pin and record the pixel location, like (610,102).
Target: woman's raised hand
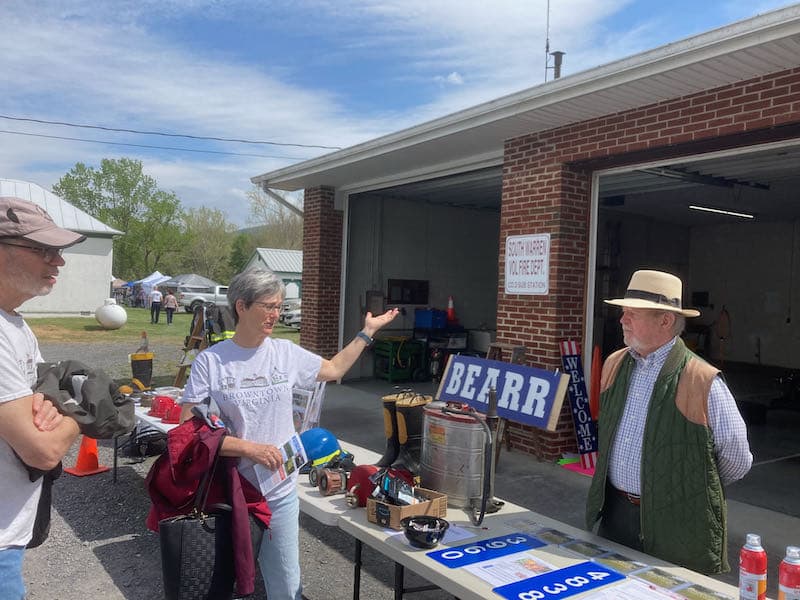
(374,323)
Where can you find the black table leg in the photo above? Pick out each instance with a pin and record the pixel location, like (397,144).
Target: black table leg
(399,581)
(400,589)
(357,572)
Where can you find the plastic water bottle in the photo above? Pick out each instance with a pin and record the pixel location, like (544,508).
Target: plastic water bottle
(752,569)
(789,575)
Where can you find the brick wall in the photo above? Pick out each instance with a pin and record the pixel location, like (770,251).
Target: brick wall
(546,189)
(322,265)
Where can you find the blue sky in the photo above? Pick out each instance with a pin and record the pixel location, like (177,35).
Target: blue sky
(312,72)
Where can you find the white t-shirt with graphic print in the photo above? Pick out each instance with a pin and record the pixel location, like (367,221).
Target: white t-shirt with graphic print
(253,388)
(19,355)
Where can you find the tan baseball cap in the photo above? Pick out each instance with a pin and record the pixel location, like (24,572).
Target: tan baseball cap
(23,219)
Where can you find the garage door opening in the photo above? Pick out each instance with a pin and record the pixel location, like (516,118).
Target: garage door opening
(438,235)
(729,227)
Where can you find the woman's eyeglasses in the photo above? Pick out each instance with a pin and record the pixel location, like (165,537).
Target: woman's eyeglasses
(268,307)
(47,254)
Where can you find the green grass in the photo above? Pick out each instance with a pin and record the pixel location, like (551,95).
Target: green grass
(86,330)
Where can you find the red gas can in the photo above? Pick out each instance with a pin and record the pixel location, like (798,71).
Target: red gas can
(752,570)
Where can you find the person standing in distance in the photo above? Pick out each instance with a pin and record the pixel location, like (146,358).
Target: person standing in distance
(170,305)
(670,436)
(31,429)
(155,304)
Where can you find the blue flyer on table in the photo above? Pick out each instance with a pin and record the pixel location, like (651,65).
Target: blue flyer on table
(468,554)
(563,583)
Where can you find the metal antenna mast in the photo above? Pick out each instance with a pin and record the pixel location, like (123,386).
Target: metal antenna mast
(547,43)
(558,55)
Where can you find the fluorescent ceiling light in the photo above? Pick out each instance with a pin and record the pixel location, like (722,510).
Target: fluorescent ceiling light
(721,211)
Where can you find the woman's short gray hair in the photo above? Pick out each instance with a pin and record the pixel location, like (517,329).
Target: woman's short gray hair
(252,284)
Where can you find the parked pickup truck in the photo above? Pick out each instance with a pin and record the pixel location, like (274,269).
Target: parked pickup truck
(191,298)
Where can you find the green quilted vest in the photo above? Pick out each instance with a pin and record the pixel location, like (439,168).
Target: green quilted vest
(683,511)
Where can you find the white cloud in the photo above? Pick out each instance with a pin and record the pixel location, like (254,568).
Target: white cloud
(88,72)
(453,78)
(117,63)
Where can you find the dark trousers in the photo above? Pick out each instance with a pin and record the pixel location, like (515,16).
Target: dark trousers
(170,312)
(621,520)
(155,311)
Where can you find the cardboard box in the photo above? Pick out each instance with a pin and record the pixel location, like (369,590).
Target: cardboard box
(390,515)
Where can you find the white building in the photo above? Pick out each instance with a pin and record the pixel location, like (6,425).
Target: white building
(84,282)
(286,264)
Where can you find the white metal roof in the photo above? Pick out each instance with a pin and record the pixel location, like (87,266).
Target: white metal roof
(282,261)
(63,213)
(473,138)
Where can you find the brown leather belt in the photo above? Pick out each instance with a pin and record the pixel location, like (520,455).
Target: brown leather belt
(632,498)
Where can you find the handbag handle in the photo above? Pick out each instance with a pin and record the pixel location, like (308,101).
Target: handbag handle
(201,497)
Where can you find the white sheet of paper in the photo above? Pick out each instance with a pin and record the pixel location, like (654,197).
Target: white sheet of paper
(509,569)
(633,590)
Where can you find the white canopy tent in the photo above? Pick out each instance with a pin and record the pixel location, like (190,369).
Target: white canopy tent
(148,283)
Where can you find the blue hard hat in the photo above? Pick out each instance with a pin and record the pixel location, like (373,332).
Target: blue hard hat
(320,444)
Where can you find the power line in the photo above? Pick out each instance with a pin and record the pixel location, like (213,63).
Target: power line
(73,139)
(161,133)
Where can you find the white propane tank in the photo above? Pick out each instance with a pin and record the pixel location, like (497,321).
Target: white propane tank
(111,315)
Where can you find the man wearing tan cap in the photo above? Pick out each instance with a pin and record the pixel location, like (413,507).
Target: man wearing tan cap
(31,430)
(670,436)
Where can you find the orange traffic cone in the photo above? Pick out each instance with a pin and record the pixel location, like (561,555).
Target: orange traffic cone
(87,463)
(451,311)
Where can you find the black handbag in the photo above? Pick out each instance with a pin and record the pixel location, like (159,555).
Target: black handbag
(197,550)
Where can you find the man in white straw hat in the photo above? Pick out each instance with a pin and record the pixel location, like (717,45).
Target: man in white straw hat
(670,436)
(31,430)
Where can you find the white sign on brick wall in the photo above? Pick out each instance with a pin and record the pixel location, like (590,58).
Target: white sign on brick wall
(528,264)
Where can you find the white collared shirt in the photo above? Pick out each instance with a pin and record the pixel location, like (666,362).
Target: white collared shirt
(724,420)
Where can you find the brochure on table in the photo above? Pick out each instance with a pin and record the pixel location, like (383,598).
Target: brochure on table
(294,457)
(511,565)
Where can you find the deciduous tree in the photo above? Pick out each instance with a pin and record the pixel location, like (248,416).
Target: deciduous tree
(120,195)
(209,239)
(276,225)
(242,249)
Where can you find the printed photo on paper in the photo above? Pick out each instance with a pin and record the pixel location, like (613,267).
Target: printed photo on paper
(553,536)
(660,577)
(294,457)
(633,590)
(621,564)
(585,548)
(509,569)
(700,592)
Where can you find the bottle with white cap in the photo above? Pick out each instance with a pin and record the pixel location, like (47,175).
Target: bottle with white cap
(789,575)
(752,569)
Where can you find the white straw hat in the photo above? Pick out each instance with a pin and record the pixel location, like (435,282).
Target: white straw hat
(654,290)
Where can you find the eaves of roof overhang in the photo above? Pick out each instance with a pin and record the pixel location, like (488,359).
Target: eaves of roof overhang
(473,138)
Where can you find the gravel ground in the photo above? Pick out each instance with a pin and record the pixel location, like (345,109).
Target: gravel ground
(99,546)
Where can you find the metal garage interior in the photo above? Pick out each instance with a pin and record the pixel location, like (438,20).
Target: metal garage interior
(446,231)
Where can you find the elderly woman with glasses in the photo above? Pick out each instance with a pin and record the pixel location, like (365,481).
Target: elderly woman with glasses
(251,377)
